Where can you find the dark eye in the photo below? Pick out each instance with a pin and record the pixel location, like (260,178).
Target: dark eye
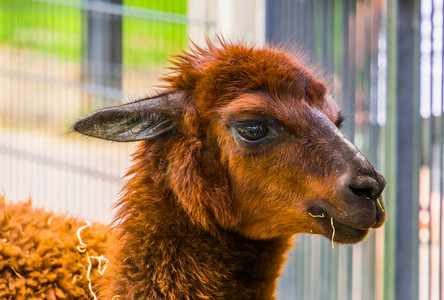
(253,132)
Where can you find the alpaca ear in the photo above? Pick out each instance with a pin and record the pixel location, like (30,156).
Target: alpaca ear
(140,120)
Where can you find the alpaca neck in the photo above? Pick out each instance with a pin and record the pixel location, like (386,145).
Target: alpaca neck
(165,256)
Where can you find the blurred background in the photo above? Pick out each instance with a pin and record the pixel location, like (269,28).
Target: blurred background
(60,59)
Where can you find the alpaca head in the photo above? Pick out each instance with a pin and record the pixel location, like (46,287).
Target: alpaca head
(252,144)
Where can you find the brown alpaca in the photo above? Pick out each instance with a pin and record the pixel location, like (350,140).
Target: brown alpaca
(39,258)
(241,152)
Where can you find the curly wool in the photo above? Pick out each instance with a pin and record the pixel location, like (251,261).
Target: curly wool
(39,258)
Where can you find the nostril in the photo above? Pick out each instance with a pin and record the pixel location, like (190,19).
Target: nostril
(363,192)
(366,187)
(360,186)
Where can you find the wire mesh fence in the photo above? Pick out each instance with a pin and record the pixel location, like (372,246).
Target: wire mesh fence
(385,63)
(383,59)
(347,39)
(431,230)
(60,60)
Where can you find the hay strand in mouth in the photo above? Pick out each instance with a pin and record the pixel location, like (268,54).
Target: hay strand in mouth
(317,216)
(333,246)
(380,205)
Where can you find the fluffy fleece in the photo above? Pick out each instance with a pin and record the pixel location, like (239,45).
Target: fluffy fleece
(39,258)
(239,153)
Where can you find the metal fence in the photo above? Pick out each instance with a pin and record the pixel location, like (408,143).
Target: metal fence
(61,59)
(385,62)
(348,39)
(431,233)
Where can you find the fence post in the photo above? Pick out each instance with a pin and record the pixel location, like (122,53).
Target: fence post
(326,31)
(104,49)
(407,145)
(242,20)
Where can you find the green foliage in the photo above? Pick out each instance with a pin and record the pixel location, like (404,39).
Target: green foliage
(46,28)
(178,6)
(146,42)
(58,30)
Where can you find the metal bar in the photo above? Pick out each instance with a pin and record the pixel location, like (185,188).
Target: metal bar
(90,88)
(348,59)
(50,162)
(389,164)
(131,11)
(273,8)
(441,149)
(104,45)
(407,205)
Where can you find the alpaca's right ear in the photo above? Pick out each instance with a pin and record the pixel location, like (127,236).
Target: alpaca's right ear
(140,120)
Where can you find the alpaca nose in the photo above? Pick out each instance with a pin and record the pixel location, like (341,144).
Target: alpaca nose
(362,187)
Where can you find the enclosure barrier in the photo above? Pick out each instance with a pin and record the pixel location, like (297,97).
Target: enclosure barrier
(383,61)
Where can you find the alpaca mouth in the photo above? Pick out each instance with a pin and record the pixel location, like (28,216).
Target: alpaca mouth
(341,229)
(336,231)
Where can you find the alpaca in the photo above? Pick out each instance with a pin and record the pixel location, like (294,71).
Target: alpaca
(39,258)
(240,152)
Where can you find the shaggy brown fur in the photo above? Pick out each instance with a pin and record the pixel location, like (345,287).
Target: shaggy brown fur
(241,152)
(39,257)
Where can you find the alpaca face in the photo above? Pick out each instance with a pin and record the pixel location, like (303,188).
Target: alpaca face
(253,145)
(291,170)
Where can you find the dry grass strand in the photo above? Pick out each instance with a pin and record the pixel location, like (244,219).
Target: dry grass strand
(380,205)
(317,216)
(333,246)
(103,261)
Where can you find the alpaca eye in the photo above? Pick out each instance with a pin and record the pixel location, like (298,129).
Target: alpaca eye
(254,132)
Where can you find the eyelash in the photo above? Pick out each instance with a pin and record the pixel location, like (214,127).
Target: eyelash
(339,121)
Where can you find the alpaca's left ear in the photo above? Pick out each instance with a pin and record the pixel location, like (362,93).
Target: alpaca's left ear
(144,119)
